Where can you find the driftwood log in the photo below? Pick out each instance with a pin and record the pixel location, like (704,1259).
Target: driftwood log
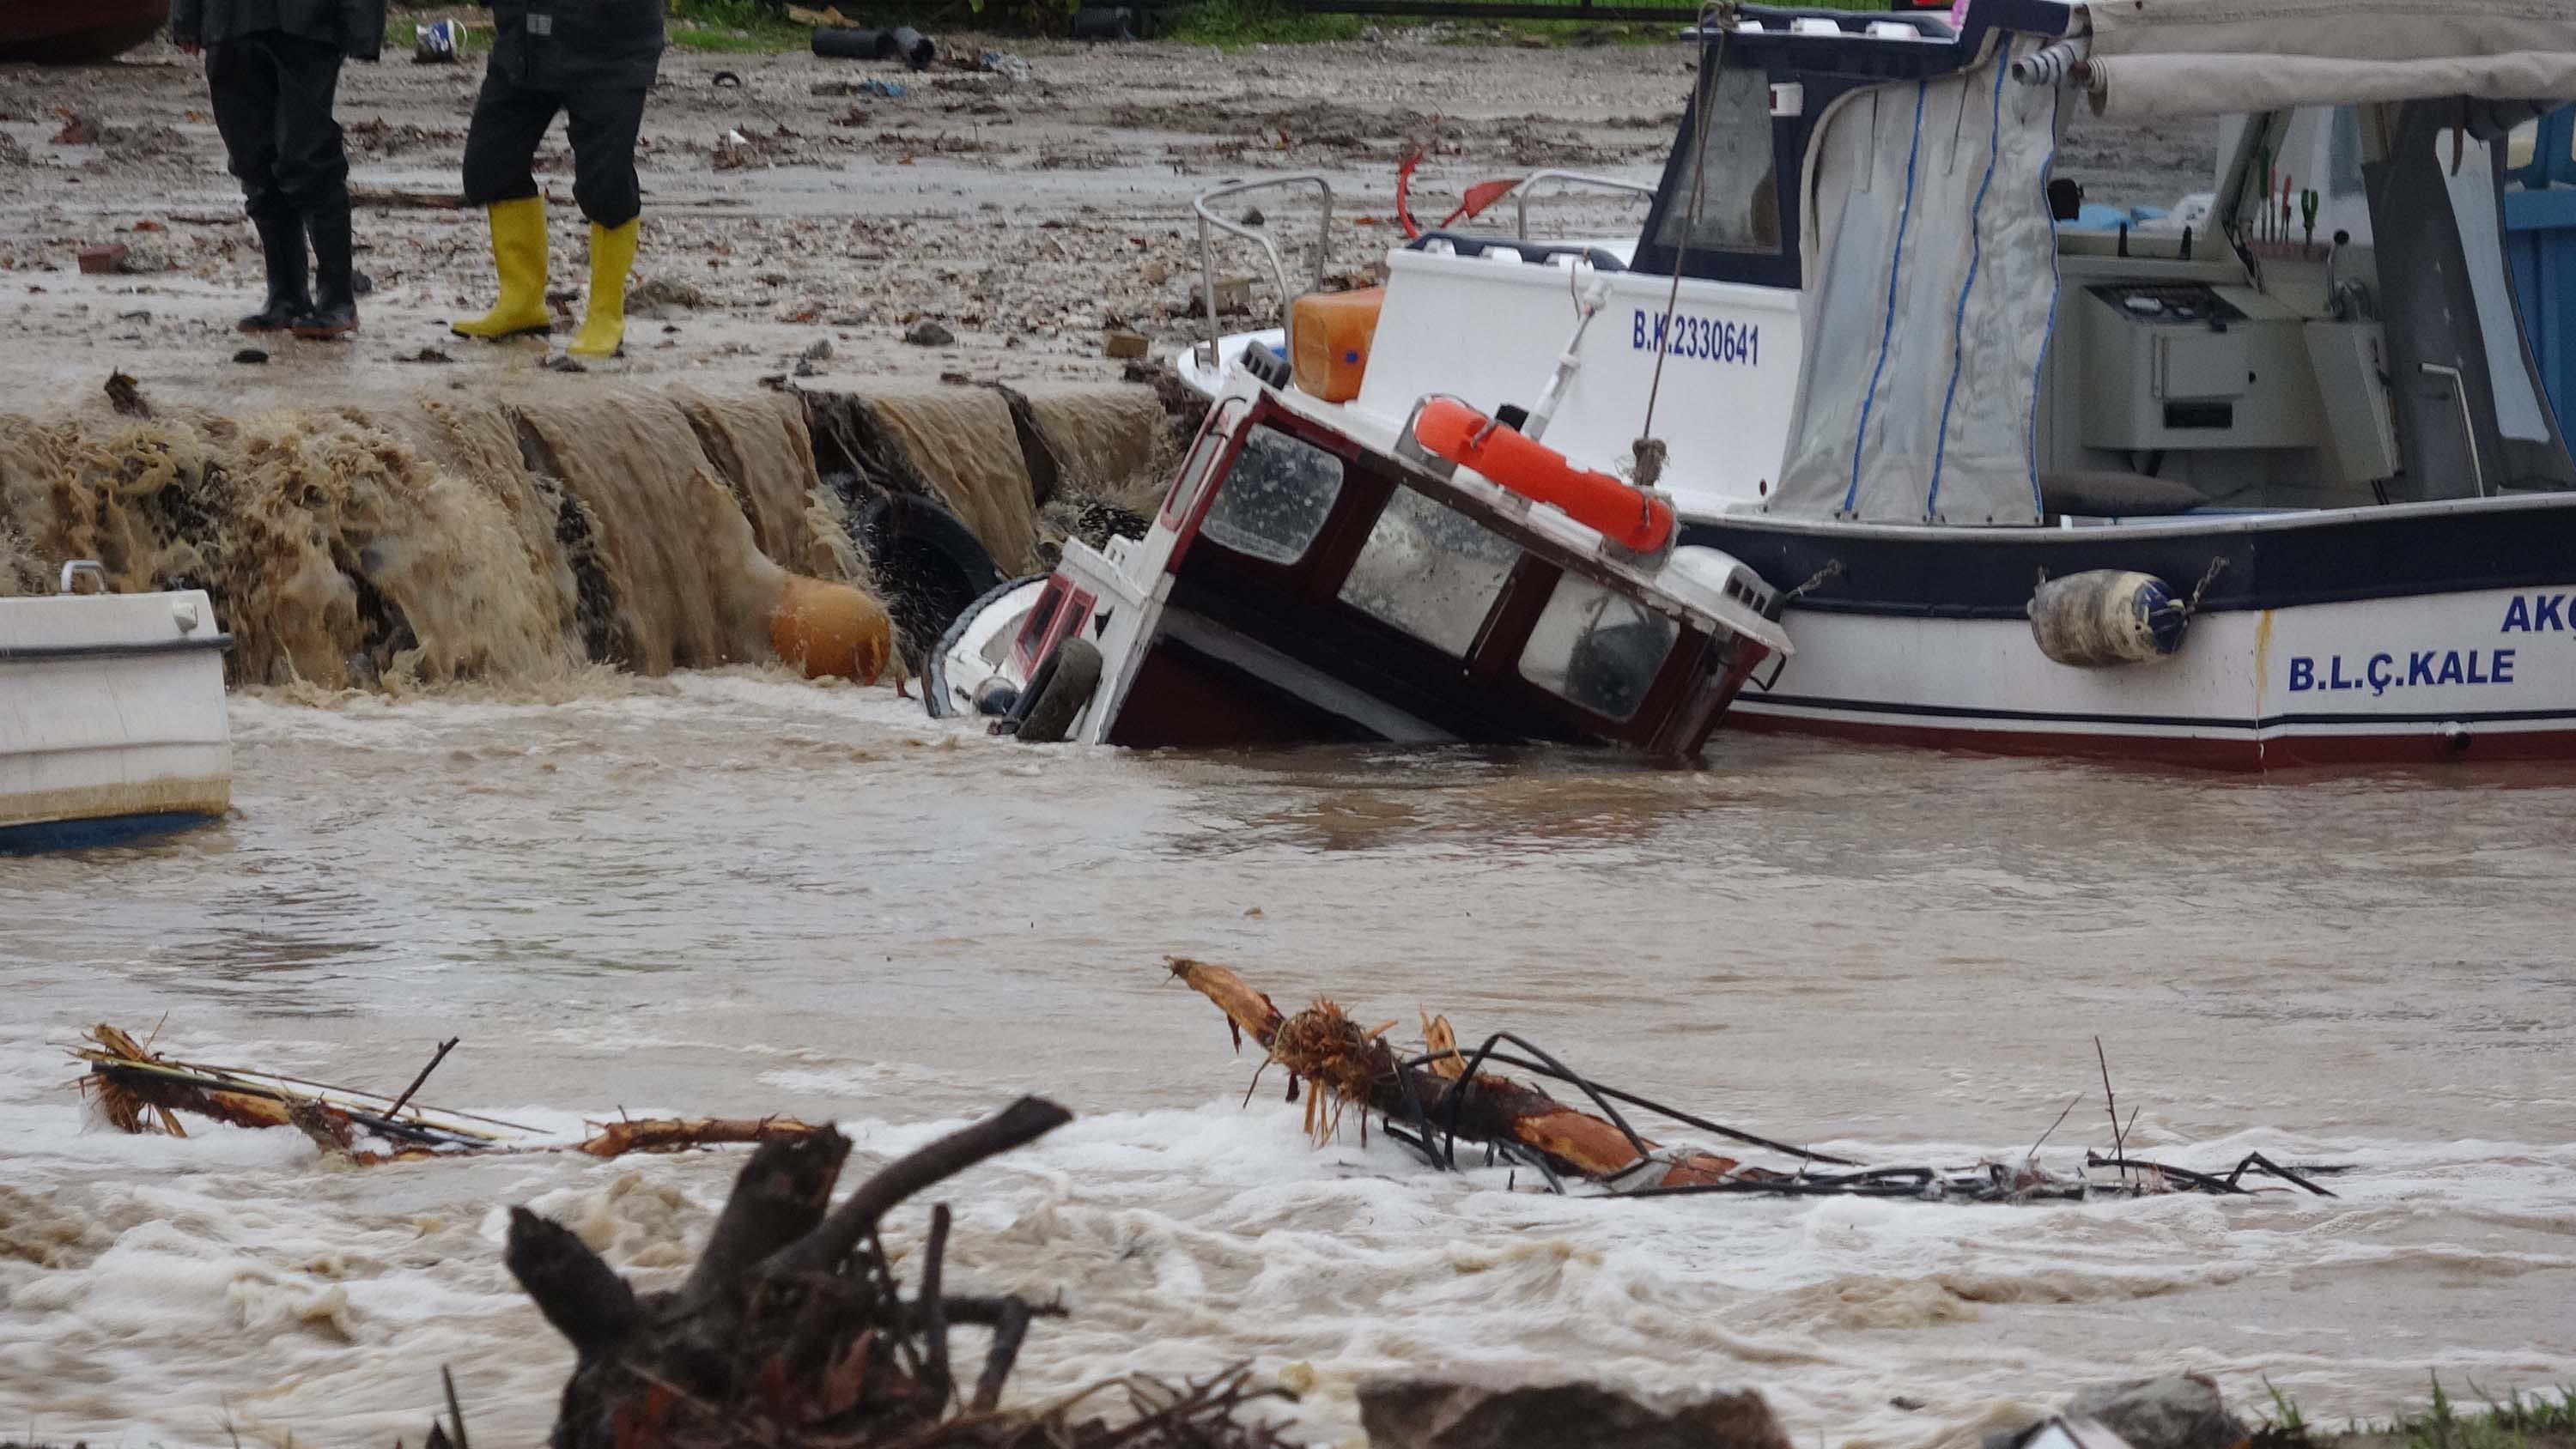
(791,1332)
(139,1091)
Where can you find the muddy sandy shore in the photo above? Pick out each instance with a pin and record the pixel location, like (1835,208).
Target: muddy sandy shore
(796,218)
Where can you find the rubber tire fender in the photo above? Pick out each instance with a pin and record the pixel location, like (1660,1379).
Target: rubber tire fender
(934,696)
(1063,685)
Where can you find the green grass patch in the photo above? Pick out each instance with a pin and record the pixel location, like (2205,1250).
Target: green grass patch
(735,26)
(1233,24)
(2540,1421)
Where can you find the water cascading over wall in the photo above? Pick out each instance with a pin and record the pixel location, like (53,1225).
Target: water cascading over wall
(458,537)
(441,540)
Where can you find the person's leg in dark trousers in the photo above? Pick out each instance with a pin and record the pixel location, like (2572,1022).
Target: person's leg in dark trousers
(500,145)
(312,172)
(603,123)
(242,80)
(603,126)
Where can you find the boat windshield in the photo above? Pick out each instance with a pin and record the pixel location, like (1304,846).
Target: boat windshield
(1275,498)
(1597,650)
(1430,571)
(1732,186)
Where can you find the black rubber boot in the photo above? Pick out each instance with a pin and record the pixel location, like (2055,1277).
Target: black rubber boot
(281,239)
(334,312)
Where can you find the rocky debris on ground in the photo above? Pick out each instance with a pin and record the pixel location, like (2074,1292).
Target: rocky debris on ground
(1460,1414)
(928,333)
(656,298)
(2177,1411)
(1006,66)
(1019,195)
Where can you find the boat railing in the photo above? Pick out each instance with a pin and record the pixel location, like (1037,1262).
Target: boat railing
(1278,266)
(1537,179)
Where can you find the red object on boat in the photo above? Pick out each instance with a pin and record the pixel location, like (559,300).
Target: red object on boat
(1622,512)
(71,32)
(1479,196)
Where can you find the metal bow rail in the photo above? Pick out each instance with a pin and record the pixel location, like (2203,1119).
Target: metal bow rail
(1278,267)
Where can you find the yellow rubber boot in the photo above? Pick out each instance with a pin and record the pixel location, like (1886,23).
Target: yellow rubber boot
(612,256)
(519,254)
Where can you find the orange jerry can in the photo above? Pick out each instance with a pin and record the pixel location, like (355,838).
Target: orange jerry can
(1329,336)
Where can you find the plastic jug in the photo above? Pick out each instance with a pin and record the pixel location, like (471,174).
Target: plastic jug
(1329,336)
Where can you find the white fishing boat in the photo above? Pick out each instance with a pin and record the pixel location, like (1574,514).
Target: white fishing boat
(111,713)
(2280,488)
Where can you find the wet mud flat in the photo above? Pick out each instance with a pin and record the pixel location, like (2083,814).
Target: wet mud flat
(794,220)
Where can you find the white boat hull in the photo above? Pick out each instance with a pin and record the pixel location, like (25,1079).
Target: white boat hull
(111,710)
(2398,680)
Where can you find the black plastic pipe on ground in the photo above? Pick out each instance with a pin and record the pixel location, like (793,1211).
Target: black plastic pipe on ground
(903,42)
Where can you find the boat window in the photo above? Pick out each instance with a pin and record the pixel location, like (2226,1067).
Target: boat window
(1597,650)
(1431,571)
(1213,436)
(1041,618)
(1274,500)
(1737,178)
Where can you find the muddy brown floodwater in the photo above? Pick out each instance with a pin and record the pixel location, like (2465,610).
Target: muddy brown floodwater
(725,891)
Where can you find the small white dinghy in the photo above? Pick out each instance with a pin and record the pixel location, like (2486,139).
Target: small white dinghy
(111,713)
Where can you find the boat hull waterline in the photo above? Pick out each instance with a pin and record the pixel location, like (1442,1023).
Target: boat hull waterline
(2354,637)
(112,716)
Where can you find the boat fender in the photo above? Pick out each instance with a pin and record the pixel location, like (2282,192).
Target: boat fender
(825,628)
(1057,693)
(1618,510)
(2107,616)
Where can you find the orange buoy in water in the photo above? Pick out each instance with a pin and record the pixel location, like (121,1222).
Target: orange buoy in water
(1622,512)
(826,628)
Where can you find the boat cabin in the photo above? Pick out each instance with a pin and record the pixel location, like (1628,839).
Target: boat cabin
(1299,586)
(1853,296)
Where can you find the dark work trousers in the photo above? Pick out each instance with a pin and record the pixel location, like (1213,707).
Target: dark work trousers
(510,118)
(273,95)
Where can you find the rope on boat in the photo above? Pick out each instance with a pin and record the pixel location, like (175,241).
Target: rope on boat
(1648,450)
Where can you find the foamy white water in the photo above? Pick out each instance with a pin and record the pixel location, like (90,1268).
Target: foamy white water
(727,893)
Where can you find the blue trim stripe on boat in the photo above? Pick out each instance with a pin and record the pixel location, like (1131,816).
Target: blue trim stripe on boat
(1895,269)
(2157,721)
(1959,320)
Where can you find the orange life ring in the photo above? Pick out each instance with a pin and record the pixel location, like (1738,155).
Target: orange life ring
(1622,512)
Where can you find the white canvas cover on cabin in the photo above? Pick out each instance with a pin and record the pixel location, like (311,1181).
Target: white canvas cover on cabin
(2204,57)
(1931,283)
